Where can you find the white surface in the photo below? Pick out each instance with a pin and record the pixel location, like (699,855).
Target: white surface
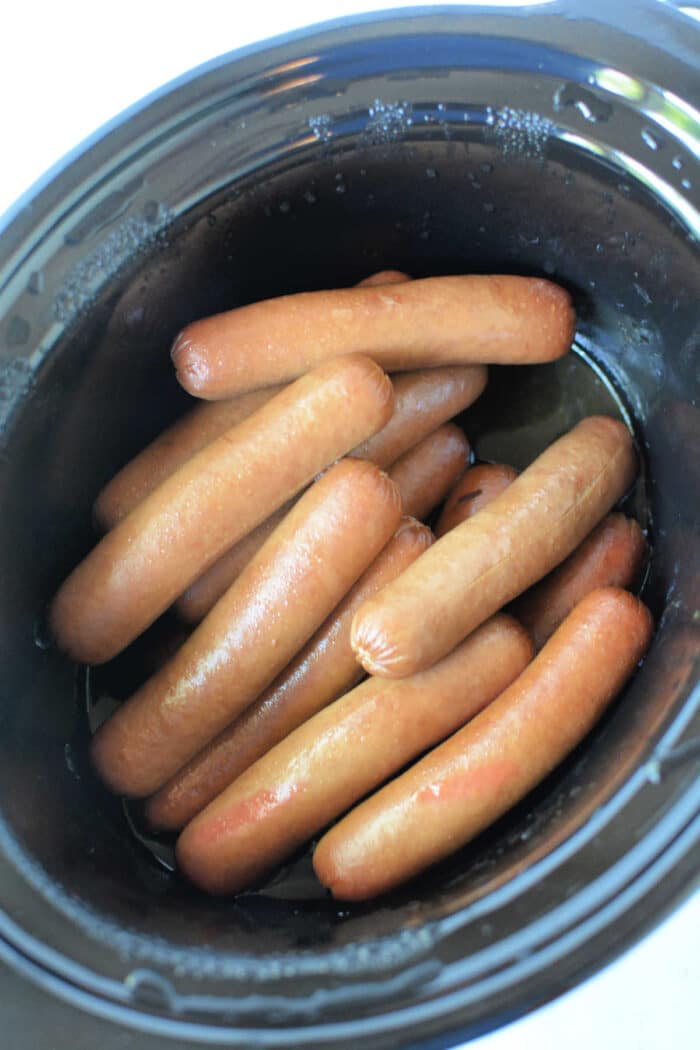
(69,67)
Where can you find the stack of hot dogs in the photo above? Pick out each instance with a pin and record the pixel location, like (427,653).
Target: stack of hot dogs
(284,518)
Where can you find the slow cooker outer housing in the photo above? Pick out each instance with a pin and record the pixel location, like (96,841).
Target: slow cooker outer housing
(555,141)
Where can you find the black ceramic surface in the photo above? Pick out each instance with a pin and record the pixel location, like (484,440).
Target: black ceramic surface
(448,141)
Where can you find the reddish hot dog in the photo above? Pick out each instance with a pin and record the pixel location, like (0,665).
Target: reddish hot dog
(475,490)
(192,432)
(340,754)
(209,503)
(306,567)
(611,556)
(324,669)
(418,324)
(422,401)
(187,436)
(468,782)
(428,471)
(491,558)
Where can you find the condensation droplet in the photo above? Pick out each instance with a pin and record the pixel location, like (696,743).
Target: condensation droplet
(431,173)
(489,207)
(321,127)
(624,188)
(17,331)
(36,283)
(686,184)
(486,168)
(677,162)
(387,121)
(589,105)
(341,188)
(310,197)
(520,131)
(285,207)
(42,635)
(600,249)
(652,139)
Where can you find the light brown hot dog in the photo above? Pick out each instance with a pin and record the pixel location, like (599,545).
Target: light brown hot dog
(427,472)
(340,754)
(306,567)
(611,556)
(433,321)
(475,490)
(478,774)
(422,401)
(192,432)
(140,567)
(187,436)
(324,669)
(491,558)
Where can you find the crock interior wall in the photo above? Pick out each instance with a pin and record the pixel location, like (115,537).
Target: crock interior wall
(323,219)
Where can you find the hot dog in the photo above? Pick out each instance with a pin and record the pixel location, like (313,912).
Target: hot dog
(427,472)
(340,754)
(140,567)
(466,783)
(491,558)
(192,432)
(611,556)
(308,564)
(187,436)
(422,401)
(424,323)
(324,669)
(479,486)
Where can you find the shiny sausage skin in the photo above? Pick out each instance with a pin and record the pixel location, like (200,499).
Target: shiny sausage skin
(201,596)
(422,401)
(192,432)
(219,495)
(324,669)
(611,556)
(491,558)
(477,775)
(434,321)
(298,577)
(427,472)
(341,753)
(187,436)
(474,490)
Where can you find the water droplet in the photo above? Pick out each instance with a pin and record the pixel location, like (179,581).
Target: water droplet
(388,121)
(17,331)
(42,635)
(520,131)
(624,189)
(36,283)
(686,184)
(310,197)
(431,173)
(363,171)
(243,125)
(482,229)
(150,989)
(652,139)
(489,207)
(69,757)
(587,103)
(599,248)
(486,168)
(677,162)
(441,107)
(341,187)
(321,127)
(285,207)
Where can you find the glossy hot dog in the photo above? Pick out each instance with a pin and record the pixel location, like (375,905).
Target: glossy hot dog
(475,490)
(478,774)
(324,669)
(140,567)
(192,432)
(434,321)
(187,436)
(611,556)
(341,753)
(422,401)
(306,567)
(491,558)
(427,472)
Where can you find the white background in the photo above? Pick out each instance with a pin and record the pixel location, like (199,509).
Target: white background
(66,69)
